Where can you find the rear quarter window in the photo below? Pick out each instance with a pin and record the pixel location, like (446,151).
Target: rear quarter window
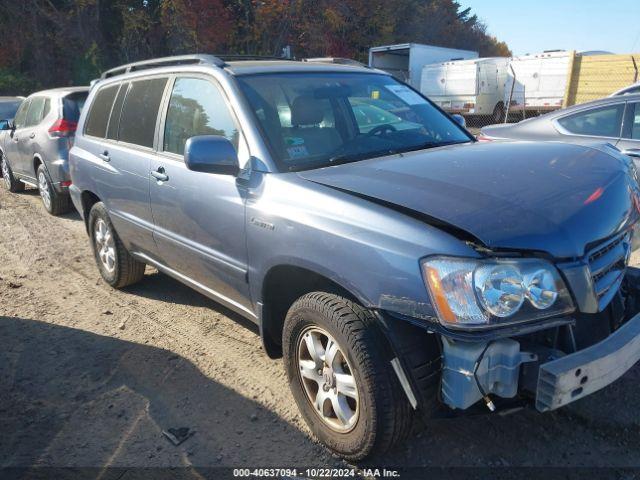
(98,117)
(72,106)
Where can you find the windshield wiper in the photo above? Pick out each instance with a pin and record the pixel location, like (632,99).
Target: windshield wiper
(339,159)
(427,145)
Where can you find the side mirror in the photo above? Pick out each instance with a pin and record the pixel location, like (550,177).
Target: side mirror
(211,154)
(459,119)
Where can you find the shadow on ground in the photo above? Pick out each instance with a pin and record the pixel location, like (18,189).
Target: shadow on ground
(73,398)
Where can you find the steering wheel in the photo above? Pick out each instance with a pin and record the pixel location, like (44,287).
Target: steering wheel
(382,129)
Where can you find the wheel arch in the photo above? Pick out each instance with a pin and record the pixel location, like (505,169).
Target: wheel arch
(282,285)
(36,162)
(88,200)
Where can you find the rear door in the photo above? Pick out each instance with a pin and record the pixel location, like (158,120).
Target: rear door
(200,217)
(122,126)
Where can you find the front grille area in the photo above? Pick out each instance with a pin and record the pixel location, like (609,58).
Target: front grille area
(608,263)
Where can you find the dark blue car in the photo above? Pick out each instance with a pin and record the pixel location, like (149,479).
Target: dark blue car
(399,267)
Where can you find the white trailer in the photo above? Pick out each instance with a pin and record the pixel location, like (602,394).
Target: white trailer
(405,61)
(538,81)
(468,87)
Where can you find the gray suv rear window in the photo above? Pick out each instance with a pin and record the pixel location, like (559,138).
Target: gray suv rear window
(140,112)
(96,124)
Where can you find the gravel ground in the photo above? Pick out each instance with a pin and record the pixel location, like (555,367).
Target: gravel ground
(90,376)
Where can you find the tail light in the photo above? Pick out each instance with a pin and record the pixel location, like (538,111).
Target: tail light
(63,128)
(483,138)
(469,105)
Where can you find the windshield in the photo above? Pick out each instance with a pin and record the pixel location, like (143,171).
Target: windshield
(8,109)
(313,120)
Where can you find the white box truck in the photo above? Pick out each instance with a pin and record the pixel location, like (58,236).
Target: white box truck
(468,87)
(538,81)
(405,61)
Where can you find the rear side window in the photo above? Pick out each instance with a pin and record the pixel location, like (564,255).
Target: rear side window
(98,119)
(600,122)
(72,106)
(140,112)
(36,109)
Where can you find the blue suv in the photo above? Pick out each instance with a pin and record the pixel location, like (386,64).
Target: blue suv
(400,268)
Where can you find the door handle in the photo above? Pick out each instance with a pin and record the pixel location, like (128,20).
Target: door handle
(160,175)
(104,156)
(33,135)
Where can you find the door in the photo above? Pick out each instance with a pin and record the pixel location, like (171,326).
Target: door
(121,129)
(27,136)
(12,140)
(200,217)
(630,141)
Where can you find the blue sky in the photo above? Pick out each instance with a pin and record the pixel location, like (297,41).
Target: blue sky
(535,25)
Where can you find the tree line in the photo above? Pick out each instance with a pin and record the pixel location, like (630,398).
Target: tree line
(47,43)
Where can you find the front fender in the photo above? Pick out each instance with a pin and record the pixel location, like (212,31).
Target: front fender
(371,251)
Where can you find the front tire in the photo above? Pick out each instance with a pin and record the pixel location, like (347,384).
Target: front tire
(340,376)
(9,182)
(117,267)
(55,203)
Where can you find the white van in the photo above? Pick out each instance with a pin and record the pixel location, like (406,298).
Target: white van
(405,61)
(539,81)
(468,87)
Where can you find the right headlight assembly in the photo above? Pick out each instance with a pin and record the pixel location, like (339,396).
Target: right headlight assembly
(470,293)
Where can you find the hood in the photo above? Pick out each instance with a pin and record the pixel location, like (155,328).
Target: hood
(546,197)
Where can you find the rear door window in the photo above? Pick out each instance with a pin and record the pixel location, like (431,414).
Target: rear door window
(597,122)
(96,124)
(140,112)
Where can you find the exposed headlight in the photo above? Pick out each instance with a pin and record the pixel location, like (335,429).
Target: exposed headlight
(470,293)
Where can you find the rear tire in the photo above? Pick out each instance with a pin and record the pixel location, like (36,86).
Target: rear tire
(55,203)
(117,267)
(9,182)
(383,414)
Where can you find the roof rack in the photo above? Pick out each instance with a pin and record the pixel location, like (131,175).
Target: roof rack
(231,57)
(336,60)
(199,59)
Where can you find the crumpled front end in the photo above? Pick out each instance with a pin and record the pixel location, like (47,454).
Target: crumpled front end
(569,358)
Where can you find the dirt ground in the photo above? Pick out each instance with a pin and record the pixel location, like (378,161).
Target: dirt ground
(90,376)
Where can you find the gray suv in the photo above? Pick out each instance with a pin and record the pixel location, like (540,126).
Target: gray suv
(400,268)
(34,147)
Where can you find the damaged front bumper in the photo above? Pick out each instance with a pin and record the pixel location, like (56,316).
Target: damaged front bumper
(547,371)
(549,365)
(579,374)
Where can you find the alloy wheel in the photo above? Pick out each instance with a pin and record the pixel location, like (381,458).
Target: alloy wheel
(43,186)
(6,174)
(328,379)
(105,245)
